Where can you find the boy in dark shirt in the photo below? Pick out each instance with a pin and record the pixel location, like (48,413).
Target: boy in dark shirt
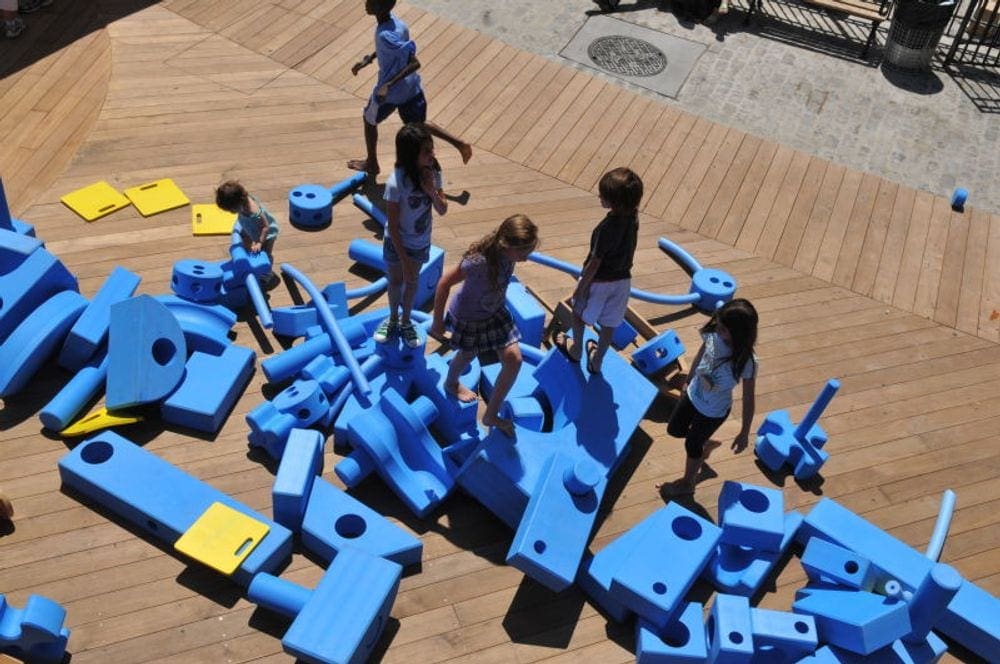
(601,295)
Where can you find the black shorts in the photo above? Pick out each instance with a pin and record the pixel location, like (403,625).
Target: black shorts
(688,423)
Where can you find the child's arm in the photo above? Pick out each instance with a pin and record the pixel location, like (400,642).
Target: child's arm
(583,286)
(430,187)
(749,397)
(411,66)
(450,278)
(363,62)
(694,365)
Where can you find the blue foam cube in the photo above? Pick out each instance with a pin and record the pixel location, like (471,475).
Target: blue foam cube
(730,630)
(752,516)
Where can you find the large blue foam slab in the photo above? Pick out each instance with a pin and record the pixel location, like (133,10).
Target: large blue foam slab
(335,520)
(210,388)
(558,520)
(35,633)
(29,275)
(91,328)
(656,591)
(301,464)
(682,642)
(160,498)
(36,338)
(730,630)
(742,570)
(973,615)
(855,620)
(146,353)
(825,562)
(752,516)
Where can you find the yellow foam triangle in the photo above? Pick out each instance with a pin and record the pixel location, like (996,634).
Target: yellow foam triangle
(94,201)
(97,420)
(222,538)
(211,220)
(157,196)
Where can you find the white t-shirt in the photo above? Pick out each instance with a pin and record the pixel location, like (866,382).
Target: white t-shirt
(415,212)
(711,386)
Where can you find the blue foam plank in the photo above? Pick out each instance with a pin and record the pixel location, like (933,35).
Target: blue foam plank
(973,619)
(29,275)
(347,612)
(35,633)
(36,338)
(335,520)
(648,587)
(681,642)
(826,562)
(742,571)
(210,388)
(91,328)
(557,522)
(730,630)
(206,327)
(855,620)
(783,636)
(159,498)
(752,516)
(146,353)
(301,463)
(528,314)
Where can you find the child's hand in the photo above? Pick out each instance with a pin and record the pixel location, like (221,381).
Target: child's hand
(382,92)
(427,183)
(741,442)
(255,248)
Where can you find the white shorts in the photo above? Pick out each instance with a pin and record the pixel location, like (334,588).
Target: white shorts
(606,303)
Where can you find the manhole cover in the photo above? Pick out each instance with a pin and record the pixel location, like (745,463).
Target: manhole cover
(627,56)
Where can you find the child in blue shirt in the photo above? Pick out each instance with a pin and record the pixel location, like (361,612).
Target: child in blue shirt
(255,226)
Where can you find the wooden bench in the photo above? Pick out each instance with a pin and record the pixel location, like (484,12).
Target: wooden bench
(875,11)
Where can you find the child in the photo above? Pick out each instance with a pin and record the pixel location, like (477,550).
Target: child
(257,228)
(397,87)
(12,24)
(601,295)
(478,315)
(725,358)
(411,192)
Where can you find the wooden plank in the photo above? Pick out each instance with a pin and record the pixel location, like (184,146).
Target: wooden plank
(913,251)
(731,186)
(707,191)
(784,202)
(854,234)
(787,247)
(989,319)
(749,233)
(878,226)
(926,295)
(819,219)
(952,269)
(895,242)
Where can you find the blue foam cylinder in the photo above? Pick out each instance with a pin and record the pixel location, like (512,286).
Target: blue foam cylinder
(817,408)
(258,301)
(683,258)
(340,189)
(71,399)
(931,600)
(278,595)
(310,206)
(367,253)
(941,526)
(958,198)
(365,205)
(198,281)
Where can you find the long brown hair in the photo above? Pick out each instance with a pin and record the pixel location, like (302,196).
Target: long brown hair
(514,232)
(740,318)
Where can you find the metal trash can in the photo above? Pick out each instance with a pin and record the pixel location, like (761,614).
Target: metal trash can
(916,29)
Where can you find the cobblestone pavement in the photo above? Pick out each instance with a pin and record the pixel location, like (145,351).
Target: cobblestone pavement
(919,130)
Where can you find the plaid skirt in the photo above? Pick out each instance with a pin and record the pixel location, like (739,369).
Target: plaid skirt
(493,333)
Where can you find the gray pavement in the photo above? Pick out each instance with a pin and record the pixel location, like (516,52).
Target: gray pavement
(922,131)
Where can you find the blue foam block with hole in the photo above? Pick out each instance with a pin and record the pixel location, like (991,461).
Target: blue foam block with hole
(34,633)
(301,463)
(730,630)
(681,642)
(855,620)
(752,516)
(206,326)
(146,353)
(558,520)
(782,636)
(455,418)
(211,386)
(335,520)
(528,314)
(36,339)
(658,352)
(159,498)
(777,445)
(742,570)
(648,587)
(29,275)
(826,562)
(91,328)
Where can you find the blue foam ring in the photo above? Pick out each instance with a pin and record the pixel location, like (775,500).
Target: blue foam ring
(941,525)
(330,324)
(680,256)
(259,303)
(365,205)
(310,206)
(81,388)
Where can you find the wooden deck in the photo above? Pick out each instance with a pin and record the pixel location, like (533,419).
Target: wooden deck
(855,277)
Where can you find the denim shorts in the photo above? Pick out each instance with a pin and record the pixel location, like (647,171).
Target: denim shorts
(389,254)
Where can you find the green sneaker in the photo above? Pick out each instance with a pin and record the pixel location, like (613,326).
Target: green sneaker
(385,329)
(410,335)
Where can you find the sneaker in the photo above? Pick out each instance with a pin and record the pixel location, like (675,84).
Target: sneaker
(13,28)
(32,6)
(410,335)
(385,329)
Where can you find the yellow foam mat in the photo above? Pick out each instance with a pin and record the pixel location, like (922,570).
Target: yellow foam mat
(95,201)
(222,538)
(96,421)
(155,197)
(211,220)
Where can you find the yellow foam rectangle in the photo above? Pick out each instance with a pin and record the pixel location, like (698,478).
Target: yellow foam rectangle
(222,538)
(155,197)
(94,201)
(211,220)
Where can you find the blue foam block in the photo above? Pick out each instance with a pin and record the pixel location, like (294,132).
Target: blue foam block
(855,620)
(742,570)
(824,655)
(455,418)
(658,352)
(730,630)
(36,338)
(34,633)
(9,223)
(298,406)
(29,275)
(752,516)
(301,463)
(623,335)
(206,326)
(146,353)
(335,520)
(525,412)
(782,636)
(210,388)
(528,314)
(91,328)
(825,562)
(652,590)
(558,520)
(928,651)
(310,206)
(159,498)
(197,280)
(682,642)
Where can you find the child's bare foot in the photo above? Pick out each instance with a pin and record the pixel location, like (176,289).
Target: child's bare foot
(363,165)
(676,488)
(461,392)
(506,426)
(567,345)
(466,151)
(710,446)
